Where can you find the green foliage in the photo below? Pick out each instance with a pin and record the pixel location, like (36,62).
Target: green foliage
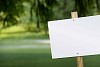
(84,6)
(63,10)
(98,5)
(43,11)
(10,11)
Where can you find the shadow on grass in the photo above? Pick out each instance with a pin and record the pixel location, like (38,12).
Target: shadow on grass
(34,60)
(40,58)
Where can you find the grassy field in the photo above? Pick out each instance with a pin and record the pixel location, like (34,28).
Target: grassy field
(14,56)
(28,49)
(17,56)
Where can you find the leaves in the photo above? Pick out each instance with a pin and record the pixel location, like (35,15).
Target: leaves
(98,5)
(43,10)
(84,6)
(10,11)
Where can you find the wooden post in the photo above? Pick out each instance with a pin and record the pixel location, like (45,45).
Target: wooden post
(79,59)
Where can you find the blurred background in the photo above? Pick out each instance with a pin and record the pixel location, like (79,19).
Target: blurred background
(24,39)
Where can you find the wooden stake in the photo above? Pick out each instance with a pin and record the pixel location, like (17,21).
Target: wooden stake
(79,59)
(74,15)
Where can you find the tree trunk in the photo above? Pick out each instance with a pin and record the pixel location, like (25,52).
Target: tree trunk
(38,23)
(4,24)
(98,5)
(31,14)
(64,8)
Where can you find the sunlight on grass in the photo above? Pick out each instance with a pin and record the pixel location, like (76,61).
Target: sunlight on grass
(25,35)
(16,28)
(19,31)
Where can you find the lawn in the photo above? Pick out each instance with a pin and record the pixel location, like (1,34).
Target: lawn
(14,56)
(32,49)
(29,49)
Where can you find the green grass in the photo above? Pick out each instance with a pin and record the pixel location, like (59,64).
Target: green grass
(19,32)
(15,28)
(24,35)
(31,60)
(38,57)
(29,57)
(33,57)
(12,42)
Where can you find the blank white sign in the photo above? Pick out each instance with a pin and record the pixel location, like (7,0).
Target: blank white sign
(70,38)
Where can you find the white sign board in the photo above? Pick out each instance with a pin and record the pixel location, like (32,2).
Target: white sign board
(70,38)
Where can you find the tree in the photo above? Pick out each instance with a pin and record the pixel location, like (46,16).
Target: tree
(64,8)
(43,11)
(84,6)
(98,5)
(10,11)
